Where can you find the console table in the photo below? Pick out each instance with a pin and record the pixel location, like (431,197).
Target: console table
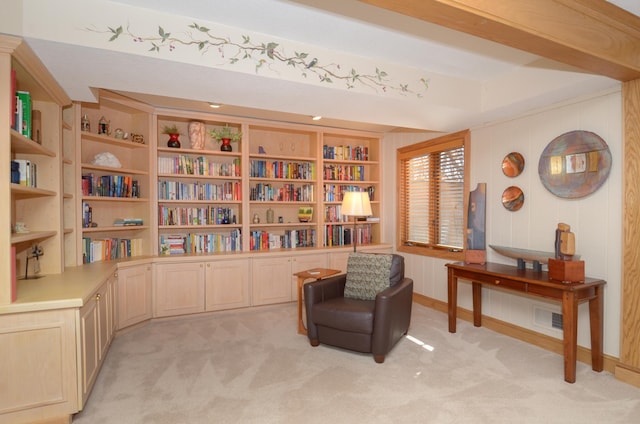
(538,284)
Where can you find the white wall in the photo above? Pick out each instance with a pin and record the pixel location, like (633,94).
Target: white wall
(595,219)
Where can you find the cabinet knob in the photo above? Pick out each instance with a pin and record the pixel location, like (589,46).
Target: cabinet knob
(98,296)
(115,274)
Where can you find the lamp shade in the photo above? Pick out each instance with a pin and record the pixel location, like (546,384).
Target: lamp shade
(356,203)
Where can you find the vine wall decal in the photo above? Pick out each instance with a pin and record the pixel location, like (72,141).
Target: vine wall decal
(265,55)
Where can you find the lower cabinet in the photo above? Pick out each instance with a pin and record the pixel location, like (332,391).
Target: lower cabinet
(227,284)
(96,332)
(178,289)
(270,280)
(273,280)
(38,366)
(134,295)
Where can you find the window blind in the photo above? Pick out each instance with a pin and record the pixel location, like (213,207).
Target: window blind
(432,196)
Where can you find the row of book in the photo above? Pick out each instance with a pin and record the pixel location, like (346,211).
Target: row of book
(286,193)
(264,240)
(343,235)
(110,186)
(26,172)
(332,214)
(95,250)
(176,190)
(207,215)
(191,243)
(201,165)
(335,192)
(344,172)
(345,152)
(21,118)
(282,169)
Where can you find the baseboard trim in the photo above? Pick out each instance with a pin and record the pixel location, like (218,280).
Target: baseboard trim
(544,341)
(628,375)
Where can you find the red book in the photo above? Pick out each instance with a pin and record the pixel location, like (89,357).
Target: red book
(14,283)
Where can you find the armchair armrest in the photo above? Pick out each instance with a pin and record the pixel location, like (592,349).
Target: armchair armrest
(319,291)
(392,315)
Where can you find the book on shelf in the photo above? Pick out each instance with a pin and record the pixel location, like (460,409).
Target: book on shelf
(127,222)
(28,172)
(24,99)
(14,283)
(86,215)
(14,100)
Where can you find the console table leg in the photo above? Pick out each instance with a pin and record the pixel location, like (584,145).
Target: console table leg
(570,335)
(452,294)
(596,309)
(476,289)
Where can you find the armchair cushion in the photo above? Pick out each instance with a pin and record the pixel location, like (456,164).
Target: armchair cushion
(367,275)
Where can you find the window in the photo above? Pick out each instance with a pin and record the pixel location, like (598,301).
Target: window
(433,182)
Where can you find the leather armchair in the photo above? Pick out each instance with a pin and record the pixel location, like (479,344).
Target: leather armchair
(368,326)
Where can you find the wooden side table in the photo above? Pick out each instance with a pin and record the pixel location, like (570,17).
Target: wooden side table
(316,273)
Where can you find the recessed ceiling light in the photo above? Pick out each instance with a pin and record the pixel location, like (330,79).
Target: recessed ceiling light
(316,118)
(214,105)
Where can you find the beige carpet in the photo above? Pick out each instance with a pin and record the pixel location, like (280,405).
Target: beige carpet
(250,366)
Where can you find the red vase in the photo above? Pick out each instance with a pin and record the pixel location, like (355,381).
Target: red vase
(226,145)
(173,141)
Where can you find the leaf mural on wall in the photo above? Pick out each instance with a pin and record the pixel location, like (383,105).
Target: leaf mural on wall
(270,54)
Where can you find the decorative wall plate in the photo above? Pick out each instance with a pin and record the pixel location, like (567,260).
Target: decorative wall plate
(575,164)
(512,198)
(513,164)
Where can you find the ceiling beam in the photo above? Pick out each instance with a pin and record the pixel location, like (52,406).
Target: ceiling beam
(592,35)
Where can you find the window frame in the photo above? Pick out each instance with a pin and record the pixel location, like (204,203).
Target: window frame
(449,141)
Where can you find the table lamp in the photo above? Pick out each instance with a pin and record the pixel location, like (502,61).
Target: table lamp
(355,204)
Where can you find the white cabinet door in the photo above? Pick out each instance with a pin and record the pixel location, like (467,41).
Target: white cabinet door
(227,284)
(134,295)
(178,289)
(271,280)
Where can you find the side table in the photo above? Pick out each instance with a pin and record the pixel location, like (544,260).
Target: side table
(318,274)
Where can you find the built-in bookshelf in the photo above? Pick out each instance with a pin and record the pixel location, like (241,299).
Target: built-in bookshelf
(350,163)
(114,170)
(199,187)
(34,210)
(279,188)
(283,187)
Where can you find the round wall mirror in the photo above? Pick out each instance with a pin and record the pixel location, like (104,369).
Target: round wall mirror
(512,198)
(513,164)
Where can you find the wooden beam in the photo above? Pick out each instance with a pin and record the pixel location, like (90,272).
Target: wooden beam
(592,35)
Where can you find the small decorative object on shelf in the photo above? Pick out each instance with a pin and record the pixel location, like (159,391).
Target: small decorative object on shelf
(173,133)
(119,134)
(103,126)
(305,213)
(85,124)
(256,218)
(225,136)
(196,135)
(269,216)
(137,138)
(36,126)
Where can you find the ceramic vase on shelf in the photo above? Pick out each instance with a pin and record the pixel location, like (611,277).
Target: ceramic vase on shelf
(226,145)
(173,141)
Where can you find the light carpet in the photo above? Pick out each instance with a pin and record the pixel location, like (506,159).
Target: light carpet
(251,366)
